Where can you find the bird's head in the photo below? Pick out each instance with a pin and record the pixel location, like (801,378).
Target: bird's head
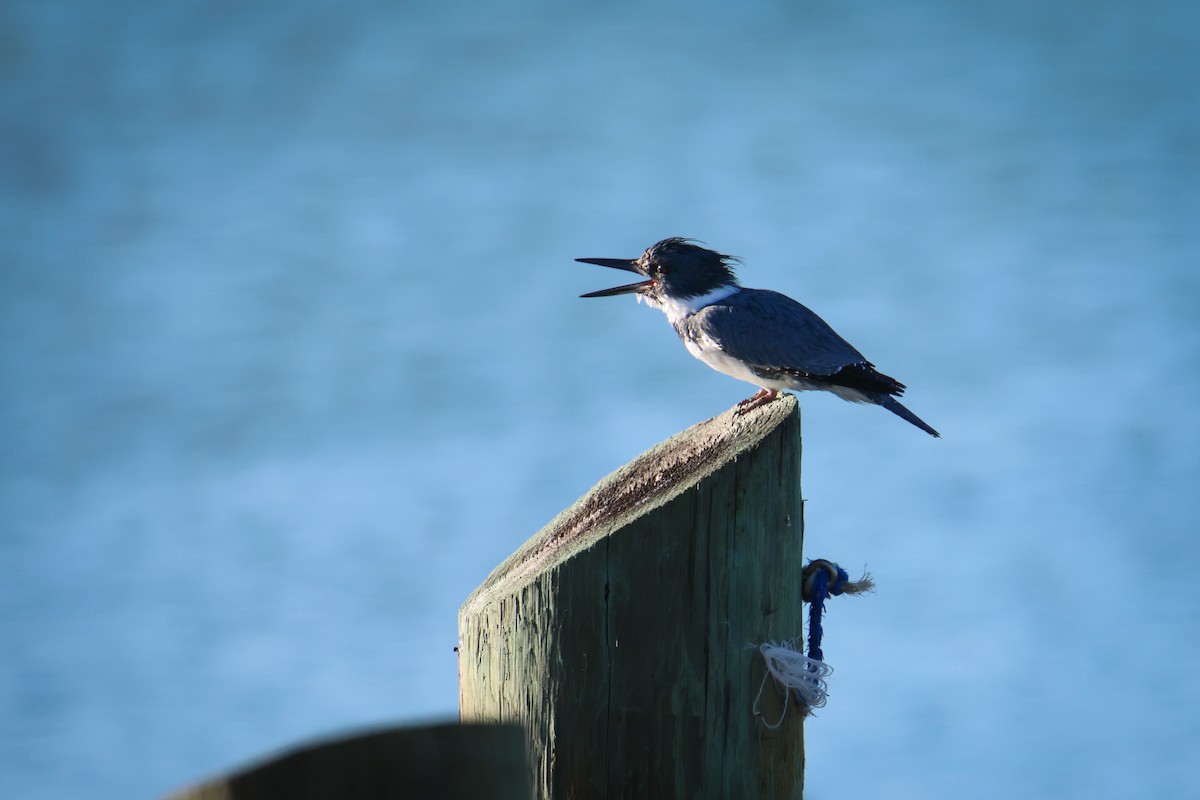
(675,268)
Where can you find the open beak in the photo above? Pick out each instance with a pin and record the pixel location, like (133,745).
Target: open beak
(629,265)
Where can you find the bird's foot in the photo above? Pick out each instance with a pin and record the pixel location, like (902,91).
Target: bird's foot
(760,398)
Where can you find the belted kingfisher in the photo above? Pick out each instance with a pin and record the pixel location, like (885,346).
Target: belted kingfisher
(755,335)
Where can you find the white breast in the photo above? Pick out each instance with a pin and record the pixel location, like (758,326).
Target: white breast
(707,351)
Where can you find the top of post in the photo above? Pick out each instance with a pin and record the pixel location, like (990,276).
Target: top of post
(650,481)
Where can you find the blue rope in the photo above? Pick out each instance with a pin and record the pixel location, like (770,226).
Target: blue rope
(822,588)
(804,675)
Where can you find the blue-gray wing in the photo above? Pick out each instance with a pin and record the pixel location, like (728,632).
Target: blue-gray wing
(776,335)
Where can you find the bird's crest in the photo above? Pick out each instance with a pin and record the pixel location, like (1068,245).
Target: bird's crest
(687,268)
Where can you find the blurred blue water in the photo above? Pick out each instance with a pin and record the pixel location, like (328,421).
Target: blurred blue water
(291,358)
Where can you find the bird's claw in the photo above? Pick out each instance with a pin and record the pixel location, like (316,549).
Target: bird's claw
(760,398)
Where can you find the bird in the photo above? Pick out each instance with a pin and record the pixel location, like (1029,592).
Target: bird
(755,335)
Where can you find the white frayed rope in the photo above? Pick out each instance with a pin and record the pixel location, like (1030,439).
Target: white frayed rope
(792,671)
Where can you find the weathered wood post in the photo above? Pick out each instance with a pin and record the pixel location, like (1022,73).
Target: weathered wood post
(428,762)
(621,636)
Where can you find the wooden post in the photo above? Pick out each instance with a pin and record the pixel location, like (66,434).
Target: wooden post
(622,635)
(430,762)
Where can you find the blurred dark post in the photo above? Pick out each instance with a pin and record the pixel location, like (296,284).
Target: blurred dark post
(437,762)
(621,636)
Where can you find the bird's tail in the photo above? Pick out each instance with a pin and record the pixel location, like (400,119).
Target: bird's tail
(894,406)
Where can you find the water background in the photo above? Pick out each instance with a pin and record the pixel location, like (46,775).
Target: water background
(291,357)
